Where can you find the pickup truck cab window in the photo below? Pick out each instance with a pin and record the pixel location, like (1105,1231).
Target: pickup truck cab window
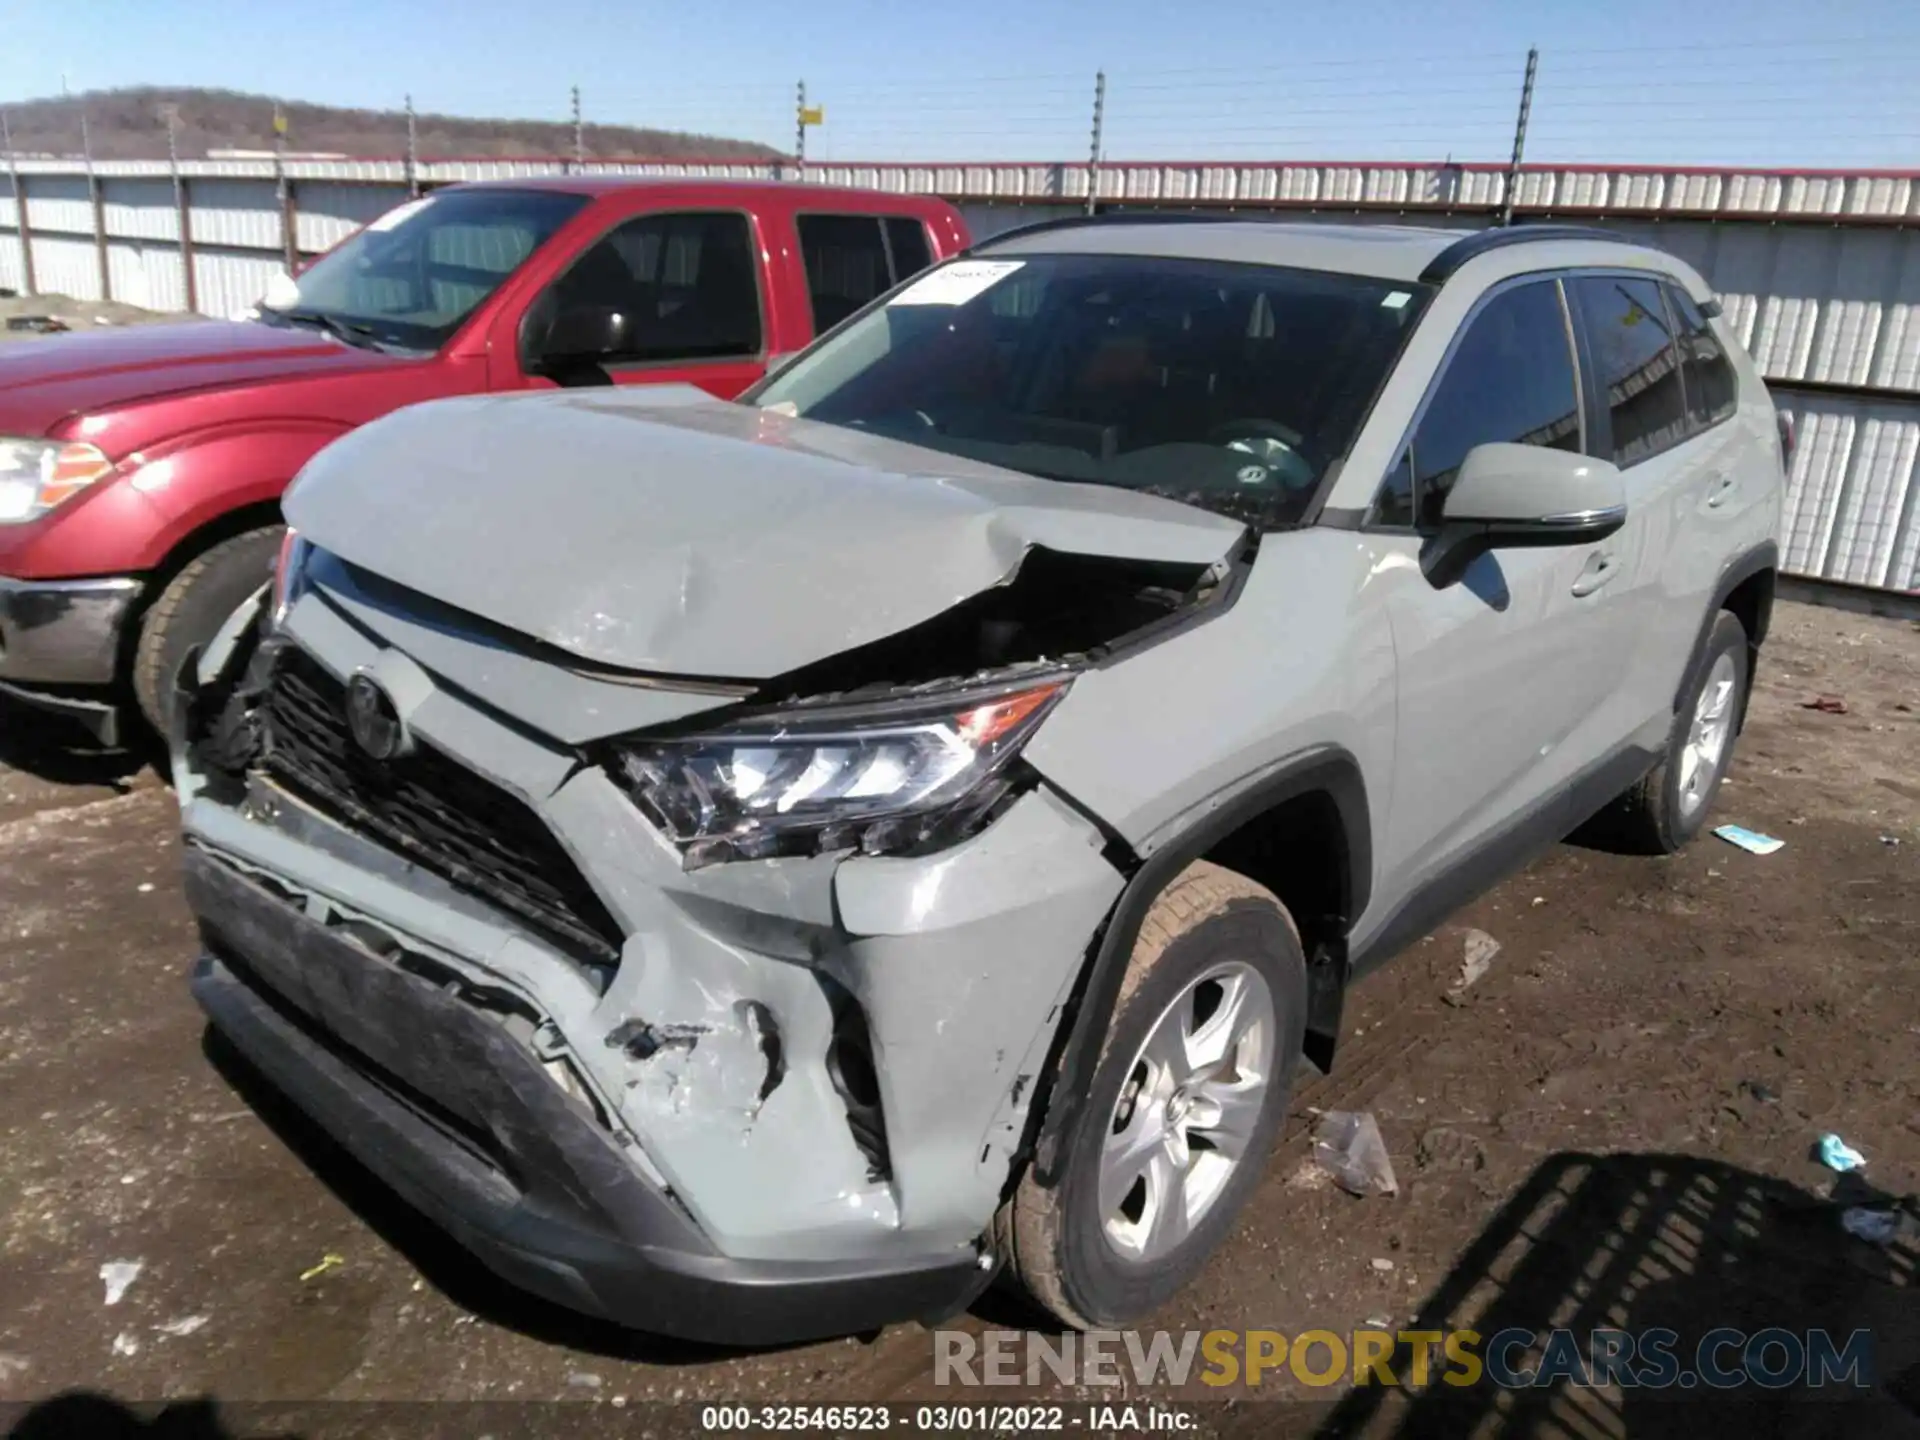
(414,275)
(851,259)
(1511,377)
(682,284)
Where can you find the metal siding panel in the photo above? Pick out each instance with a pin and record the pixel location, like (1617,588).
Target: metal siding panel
(59,203)
(12,276)
(1853,499)
(230,282)
(329,211)
(66,265)
(242,214)
(139,210)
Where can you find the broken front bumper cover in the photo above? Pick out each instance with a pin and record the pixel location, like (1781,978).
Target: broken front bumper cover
(439,1102)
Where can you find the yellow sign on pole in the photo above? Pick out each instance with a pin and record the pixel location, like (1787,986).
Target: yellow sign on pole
(813,115)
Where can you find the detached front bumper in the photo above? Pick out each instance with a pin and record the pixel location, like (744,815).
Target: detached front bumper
(60,636)
(440,1103)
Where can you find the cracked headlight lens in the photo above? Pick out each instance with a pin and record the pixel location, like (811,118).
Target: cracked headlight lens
(36,475)
(883,779)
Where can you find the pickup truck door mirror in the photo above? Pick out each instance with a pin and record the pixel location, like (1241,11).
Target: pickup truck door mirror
(581,338)
(1507,496)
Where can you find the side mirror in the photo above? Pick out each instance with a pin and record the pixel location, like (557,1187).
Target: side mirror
(584,335)
(1514,495)
(1507,496)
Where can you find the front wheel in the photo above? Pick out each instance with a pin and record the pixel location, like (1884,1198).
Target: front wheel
(1189,1093)
(190,611)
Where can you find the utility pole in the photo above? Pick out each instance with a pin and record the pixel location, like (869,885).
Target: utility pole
(579,133)
(1099,119)
(19,209)
(283,192)
(96,200)
(1519,137)
(800,132)
(182,210)
(413,153)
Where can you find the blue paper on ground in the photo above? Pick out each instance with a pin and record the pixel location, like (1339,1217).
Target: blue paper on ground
(1750,840)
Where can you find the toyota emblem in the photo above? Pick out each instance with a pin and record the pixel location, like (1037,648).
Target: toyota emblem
(372,719)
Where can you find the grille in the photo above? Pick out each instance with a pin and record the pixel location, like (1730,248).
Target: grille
(433,810)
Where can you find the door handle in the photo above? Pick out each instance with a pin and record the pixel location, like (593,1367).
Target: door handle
(1718,489)
(1600,569)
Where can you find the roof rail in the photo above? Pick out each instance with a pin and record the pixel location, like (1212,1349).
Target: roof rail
(1109,217)
(1471,247)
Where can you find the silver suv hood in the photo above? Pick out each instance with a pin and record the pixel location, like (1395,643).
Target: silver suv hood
(664,531)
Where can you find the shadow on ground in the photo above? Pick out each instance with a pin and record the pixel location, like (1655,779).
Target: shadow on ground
(1637,1242)
(60,752)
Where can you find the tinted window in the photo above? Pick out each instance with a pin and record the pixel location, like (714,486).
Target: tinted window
(1230,387)
(1636,363)
(1712,390)
(413,275)
(1510,378)
(846,258)
(911,253)
(686,280)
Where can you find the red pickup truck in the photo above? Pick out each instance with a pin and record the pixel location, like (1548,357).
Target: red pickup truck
(141,469)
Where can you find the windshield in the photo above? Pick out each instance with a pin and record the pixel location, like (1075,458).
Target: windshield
(412,276)
(1228,386)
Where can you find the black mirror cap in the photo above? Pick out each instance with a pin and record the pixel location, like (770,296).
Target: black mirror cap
(584,334)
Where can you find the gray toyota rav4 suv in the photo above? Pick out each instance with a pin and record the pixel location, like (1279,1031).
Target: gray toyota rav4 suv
(761,870)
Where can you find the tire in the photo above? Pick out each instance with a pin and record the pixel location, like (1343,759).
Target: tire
(1057,1241)
(191,609)
(1669,806)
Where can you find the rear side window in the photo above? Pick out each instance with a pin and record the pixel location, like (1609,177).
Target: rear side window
(852,259)
(1713,392)
(1636,361)
(1510,378)
(687,277)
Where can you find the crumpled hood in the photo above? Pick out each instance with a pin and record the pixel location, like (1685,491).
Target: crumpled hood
(664,531)
(85,372)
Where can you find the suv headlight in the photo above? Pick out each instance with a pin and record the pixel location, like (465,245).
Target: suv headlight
(289,577)
(880,778)
(36,475)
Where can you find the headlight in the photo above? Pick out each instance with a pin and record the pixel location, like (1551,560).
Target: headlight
(289,577)
(36,475)
(877,778)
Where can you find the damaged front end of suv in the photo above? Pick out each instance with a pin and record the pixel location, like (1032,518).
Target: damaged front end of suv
(654,892)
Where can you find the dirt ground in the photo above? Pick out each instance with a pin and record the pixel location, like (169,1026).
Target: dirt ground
(79,314)
(1614,1128)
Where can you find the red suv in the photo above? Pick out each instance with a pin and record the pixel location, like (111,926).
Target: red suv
(141,469)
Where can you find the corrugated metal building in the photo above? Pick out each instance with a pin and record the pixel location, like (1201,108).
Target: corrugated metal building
(1819,272)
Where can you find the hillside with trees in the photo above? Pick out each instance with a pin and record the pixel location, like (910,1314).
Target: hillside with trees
(131,124)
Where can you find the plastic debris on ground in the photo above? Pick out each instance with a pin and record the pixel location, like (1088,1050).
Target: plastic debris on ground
(182,1327)
(119,1274)
(1480,950)
(327,1262)
(1825,704)
(1348,1146)
(125,1344)
(1752,841)
(1837,1155)
(1877,1227)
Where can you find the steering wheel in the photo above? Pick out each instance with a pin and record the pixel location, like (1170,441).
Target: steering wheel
(1271,444)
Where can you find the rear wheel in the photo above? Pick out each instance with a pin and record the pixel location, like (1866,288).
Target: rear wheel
(191,610)
(1189,1093)
(1669,806)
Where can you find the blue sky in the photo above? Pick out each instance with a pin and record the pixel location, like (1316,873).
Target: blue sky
(1635,81)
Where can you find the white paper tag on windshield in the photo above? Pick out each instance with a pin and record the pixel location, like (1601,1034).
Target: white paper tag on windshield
(958,283)
(400,214)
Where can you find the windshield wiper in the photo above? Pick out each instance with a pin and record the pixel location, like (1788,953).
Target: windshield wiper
(346,330)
